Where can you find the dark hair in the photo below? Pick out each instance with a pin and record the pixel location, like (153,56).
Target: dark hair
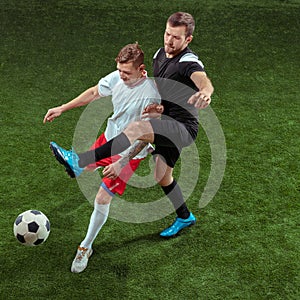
(131,53)
(182,18)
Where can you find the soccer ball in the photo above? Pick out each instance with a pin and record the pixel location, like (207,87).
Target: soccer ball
(31,228)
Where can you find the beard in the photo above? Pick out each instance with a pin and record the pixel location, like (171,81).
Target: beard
(170,49)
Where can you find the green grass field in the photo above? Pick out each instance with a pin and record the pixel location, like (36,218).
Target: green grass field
(246,242)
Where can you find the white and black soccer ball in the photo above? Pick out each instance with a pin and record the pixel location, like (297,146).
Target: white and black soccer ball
(31,228)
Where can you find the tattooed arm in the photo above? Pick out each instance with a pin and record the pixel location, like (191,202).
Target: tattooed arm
(113,170)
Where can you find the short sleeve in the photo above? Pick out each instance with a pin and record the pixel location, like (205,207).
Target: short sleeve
(107,83)
(189,63)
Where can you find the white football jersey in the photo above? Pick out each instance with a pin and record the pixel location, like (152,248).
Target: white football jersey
(128,103)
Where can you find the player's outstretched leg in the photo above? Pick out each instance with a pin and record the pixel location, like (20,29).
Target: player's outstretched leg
(67,158)
(81,259)
(177,226)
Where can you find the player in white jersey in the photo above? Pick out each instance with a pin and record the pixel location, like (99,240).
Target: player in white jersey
(132,92)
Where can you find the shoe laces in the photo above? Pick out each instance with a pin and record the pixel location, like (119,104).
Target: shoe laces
(71,154)
(82,251)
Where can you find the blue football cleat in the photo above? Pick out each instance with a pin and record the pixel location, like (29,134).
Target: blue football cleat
(177,226)
(67,158)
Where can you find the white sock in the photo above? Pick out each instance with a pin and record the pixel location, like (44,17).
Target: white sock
(97,220)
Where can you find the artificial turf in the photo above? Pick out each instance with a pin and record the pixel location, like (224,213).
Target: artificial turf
(246,242)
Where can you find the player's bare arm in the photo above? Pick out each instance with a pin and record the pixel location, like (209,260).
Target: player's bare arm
(113,170)
(84,98)
(202,98)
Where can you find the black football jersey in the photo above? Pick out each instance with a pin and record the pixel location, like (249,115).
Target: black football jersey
(175,86)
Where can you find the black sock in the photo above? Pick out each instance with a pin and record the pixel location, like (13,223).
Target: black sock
(174,193)
(112,147)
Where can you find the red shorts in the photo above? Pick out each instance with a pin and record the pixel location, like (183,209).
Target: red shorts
(117,185)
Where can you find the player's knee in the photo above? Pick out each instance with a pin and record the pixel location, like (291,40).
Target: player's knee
(103,197)
(138,130)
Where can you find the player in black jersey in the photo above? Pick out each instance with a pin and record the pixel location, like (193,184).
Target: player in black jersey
(184,88)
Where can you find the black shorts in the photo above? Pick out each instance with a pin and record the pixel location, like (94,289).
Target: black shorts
(170,136)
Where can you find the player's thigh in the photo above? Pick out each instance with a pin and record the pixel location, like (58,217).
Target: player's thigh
(170,133)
